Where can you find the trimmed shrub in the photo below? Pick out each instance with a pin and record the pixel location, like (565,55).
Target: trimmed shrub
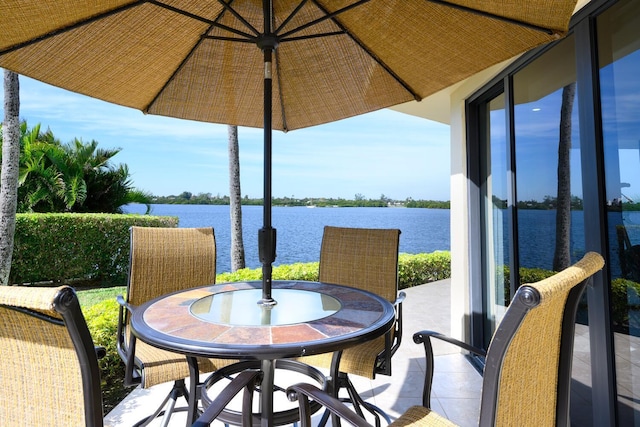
(532,275)
(418,269)
(297,271)
(413,270)
(102,320)
(75,248)
(527,275)
(625,301)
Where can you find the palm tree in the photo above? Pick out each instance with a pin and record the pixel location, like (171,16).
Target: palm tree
(562,254)
(39,181)
(235,206)
(9,172)
(109,189)
(74,177)
(90,182)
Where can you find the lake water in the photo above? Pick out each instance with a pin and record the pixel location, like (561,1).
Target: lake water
(299,229)
(422,230)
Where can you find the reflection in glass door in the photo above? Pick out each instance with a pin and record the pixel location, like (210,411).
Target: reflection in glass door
(619,56)
(494,210)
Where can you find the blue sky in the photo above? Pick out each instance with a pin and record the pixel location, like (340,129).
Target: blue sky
(383,152)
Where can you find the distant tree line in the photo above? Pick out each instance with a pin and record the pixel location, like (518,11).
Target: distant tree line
(359,200)
(429,204)
(550,203)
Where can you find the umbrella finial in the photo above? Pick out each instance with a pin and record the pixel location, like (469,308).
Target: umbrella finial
(267,41)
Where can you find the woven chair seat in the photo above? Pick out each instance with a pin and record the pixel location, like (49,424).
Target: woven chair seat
(356,360)
(160,366)
(363,258)
(421,416)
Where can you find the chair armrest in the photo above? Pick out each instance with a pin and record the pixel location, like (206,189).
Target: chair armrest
(246,380)
(122,320)
(400,299)
(424,337)
(126,351)
(393,339)
(124,303)
(302,392)
(100,351)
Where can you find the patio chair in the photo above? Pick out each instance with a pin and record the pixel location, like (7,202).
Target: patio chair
(164,260)
(527,373)
(365,259)
(49,366)
(49,363)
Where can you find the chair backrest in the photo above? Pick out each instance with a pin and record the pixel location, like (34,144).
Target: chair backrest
(528,364)
(361,257)
(165,260)
(49,368)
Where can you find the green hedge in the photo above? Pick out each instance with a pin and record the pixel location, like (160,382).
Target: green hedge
(413,270)
(625,301)
(75,248)
(527,275)
(102,320)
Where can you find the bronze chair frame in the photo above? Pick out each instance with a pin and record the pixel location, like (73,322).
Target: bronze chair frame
(525,300)
(127,352)
(382,365)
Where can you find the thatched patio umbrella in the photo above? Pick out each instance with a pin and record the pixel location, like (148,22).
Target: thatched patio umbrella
(276,64)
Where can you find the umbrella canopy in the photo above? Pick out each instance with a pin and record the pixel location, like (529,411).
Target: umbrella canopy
(281,64)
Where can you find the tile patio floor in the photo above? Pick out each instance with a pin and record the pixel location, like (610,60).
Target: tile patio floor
(456,383)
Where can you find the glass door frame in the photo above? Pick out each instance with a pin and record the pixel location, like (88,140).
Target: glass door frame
(477,114)
(604,398)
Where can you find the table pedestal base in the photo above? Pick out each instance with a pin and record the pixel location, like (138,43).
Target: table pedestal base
(267,416)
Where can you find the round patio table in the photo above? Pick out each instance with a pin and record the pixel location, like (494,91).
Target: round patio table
(226,321)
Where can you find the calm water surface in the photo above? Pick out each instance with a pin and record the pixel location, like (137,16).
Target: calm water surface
(422,230)
(300,229)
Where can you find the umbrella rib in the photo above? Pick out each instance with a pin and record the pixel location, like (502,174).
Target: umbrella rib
(70,27)
(375,57)
(293,13)
(76,25)
(494,16)
(230,39)
(216,24)
(326,16)
(249,38)
(313,36)
(280,98)
(227,6)
(145,110)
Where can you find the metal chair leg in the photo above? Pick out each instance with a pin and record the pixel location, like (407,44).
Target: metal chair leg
(179,389)
(343,382)
(358,402)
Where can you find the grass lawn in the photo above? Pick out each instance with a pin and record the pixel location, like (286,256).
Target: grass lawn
(89,297)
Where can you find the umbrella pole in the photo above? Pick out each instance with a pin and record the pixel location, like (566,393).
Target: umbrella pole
(267,234)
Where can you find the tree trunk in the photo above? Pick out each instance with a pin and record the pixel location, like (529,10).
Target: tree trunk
(562,255)
(235,207)
(9,172)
